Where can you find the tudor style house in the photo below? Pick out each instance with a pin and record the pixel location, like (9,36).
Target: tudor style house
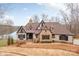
(44,32)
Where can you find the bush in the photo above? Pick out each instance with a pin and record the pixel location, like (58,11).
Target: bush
(10,41)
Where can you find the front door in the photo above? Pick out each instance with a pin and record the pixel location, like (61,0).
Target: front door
(30,35)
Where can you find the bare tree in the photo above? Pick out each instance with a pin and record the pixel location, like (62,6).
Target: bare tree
(54,19)
(71,19)
(65,20)
(35,19)
(57,19)
(44,17)
(7,27)
(7,22)
(51,19)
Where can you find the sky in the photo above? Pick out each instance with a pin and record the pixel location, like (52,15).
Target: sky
(21,12)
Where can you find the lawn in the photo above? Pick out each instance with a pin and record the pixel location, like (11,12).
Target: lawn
(3,42)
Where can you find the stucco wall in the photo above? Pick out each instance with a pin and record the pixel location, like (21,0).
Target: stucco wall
(34,37)
(56,38)
(76,41)
(70,39)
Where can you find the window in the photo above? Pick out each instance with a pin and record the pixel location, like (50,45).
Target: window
(45,36)
(53,35)
(21,36)
(64,37)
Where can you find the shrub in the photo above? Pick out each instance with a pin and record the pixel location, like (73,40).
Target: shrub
(10,41)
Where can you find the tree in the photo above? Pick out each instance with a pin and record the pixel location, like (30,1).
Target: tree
(57,19)
(7,21)
(71,18)
(44,17)
(10,40)
(35,19)
(51,19)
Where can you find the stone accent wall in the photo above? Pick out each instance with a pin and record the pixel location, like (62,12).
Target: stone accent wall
(76,41)
(47,32)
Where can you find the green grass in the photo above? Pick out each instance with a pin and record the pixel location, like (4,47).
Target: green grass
(3,42)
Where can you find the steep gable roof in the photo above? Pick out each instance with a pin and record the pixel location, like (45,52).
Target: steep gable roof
(21,30)
(55,27)
(41,25)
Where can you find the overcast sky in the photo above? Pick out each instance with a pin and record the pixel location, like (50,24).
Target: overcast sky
(20,12)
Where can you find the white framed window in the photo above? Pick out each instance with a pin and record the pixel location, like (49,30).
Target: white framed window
(21,36)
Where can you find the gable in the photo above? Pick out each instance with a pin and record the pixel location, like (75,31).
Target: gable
(42,25)
(21,30)
(46,32)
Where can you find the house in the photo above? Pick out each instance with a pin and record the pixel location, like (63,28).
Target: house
(44,32)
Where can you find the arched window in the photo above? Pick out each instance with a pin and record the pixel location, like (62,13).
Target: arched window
(63,37)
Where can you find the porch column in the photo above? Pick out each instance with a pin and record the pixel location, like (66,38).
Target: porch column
(25,37)
(34,37)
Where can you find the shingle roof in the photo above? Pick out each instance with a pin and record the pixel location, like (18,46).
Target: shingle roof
(57,28)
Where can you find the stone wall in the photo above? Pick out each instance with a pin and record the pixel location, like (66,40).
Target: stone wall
(47,32)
